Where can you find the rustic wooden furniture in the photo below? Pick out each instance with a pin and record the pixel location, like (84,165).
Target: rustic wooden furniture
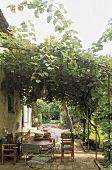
(9,150)
(38,152)
(67,146)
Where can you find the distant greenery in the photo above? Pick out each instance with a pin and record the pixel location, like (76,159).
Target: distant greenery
(49,111)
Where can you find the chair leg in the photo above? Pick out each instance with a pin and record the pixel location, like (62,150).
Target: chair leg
(2,160)
(71,152)
(72,155)
(62,155)
(15,154)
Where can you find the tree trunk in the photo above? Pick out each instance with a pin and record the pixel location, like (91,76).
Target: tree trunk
(84,129)
(70,120)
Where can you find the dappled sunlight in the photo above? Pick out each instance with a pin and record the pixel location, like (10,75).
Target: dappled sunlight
(82,160)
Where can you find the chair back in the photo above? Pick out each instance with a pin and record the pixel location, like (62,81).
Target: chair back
(29,148)
(65,141)
(67,144)
(8,138)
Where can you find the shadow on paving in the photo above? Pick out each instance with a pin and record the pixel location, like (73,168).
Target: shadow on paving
(83,161)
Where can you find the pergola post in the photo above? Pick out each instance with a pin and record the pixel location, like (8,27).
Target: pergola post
(109,116)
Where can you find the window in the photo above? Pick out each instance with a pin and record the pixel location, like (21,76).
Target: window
(10,103)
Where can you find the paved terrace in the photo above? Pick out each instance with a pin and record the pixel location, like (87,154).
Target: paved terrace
(83,161)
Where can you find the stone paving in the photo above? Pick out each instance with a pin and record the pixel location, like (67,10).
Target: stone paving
(83,161)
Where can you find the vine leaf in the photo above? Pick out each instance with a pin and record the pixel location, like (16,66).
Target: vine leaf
(20,7)
(55,21)
(12,8)
(49,18)
(37,13)
(61,6)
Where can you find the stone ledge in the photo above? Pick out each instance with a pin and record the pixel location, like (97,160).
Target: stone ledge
(99,165)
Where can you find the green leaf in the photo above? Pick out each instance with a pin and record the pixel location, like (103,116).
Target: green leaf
(57,13)
(31,6)
(19,36)
(90,84)
(5,44)
(50,9)
(55,21)
(19,29)
(24,30)
(50,68)
(37,13)
(31,24)
(20,7)
(49,18)
(61,6)
(32,34)
(38,81)
(46,74)
(24,2)
(65,37)
(46,64)
(12,8)
(69,22)
(25,35)
(33,29)
(41,74)
(58,28)
(65,11)
(34,39)
(94,94)
(65,23)
(23,24)
(45,4)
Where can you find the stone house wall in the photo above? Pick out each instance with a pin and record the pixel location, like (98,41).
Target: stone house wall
(12,121)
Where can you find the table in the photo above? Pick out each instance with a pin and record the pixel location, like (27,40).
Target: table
(38,146)
(40,142)
(41,145)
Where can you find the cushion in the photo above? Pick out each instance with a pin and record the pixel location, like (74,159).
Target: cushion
(68,148)
(47,135)
(39,135)
(39,160)
(26,136)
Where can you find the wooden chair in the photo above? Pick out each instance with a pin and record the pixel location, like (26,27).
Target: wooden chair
(67,146)
(9,150)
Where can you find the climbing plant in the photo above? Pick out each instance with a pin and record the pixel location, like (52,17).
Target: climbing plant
(56,68)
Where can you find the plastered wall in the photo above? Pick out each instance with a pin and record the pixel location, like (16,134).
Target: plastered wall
(12,121)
